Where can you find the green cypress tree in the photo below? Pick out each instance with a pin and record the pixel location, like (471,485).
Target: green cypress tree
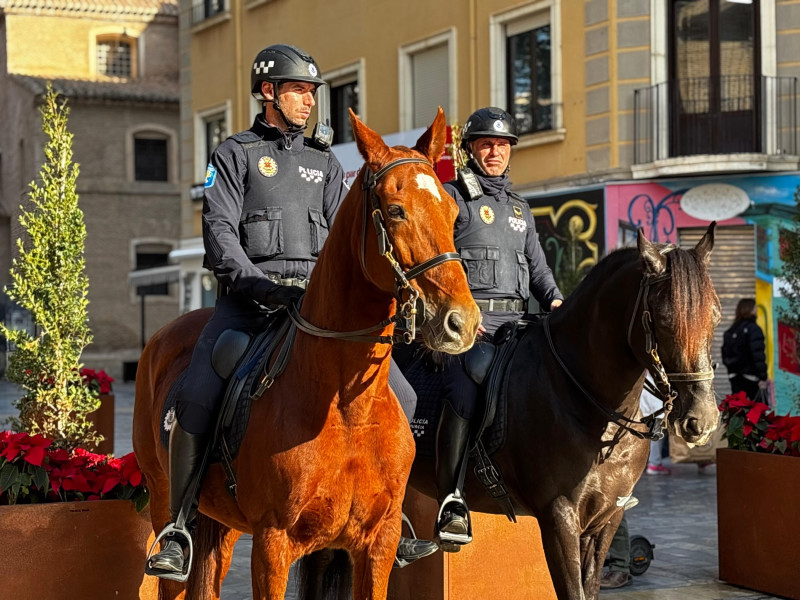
(49,280)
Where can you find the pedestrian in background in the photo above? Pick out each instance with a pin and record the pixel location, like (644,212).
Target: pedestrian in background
(650,404)
(743,352)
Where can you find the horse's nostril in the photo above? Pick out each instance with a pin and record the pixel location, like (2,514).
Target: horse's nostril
(455,322)
(693,426)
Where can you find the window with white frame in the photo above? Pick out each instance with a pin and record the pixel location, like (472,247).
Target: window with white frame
(427,71)
(148,256)
(526,65)
(215,131)
(344,95)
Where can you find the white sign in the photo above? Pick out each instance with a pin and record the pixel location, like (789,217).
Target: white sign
(715,201)
(352,160)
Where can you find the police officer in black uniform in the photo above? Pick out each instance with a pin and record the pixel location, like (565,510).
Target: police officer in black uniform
(496,237)
(271,195)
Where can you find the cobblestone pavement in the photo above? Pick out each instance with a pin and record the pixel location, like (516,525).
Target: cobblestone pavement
(677,513)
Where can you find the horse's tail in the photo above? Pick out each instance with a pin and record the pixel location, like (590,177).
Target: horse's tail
(210,550)
(325,575)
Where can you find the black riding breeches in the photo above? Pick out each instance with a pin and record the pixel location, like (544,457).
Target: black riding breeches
(202,390)
(459,389)
(201,395)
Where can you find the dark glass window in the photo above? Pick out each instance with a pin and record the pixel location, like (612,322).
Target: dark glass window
(343,97)
(215,135)
(148,260)
(114,58)
(529,89)
(203,9)
(150,159)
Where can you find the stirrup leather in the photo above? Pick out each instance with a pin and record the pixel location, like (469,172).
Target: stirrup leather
(452,542)
(171,529)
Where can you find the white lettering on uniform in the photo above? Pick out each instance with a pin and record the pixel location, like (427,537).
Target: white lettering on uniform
(426,182)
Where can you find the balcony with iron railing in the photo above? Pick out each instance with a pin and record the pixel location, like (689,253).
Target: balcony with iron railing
(729,115)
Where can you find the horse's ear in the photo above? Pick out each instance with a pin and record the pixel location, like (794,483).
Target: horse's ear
(655,263)
(370,144)
(431,143)
(706,244)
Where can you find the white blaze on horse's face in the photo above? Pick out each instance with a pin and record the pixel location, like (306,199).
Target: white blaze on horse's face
(426,182)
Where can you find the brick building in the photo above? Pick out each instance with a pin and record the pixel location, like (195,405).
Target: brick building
(117,64)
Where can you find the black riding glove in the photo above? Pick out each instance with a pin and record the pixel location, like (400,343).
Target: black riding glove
(285,295)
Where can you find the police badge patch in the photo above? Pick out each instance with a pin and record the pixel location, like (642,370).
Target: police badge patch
(267,166)
(487,214)
(517,212)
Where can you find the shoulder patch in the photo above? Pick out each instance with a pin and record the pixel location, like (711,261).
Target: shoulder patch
(211,176)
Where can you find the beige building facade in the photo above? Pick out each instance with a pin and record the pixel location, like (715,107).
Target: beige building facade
(117,65)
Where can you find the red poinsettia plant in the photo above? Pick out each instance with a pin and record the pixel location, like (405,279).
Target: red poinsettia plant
(31,472)
(100,381)
(751,425)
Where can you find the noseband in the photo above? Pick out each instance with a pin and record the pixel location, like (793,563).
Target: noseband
(663,388)
(412,306)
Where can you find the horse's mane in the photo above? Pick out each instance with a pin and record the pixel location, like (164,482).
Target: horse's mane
(692,293)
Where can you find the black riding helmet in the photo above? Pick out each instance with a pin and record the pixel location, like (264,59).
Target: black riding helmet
(278,63)
(489,122)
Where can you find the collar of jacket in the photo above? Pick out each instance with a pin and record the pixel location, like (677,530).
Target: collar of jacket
(269,132)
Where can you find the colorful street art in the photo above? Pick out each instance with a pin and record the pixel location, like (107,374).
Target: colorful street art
(570,228)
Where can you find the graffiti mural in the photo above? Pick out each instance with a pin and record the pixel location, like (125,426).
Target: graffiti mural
(570,228)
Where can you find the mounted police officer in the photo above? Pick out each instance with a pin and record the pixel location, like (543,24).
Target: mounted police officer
(271,195)
(496,237)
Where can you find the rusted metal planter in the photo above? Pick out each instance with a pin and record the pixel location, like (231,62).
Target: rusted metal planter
(103,421)
(68,550)
(759,523)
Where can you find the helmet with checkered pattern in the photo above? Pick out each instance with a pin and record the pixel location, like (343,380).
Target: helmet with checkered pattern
(281,62)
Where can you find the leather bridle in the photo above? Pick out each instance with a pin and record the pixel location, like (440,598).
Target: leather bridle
(412,306)
(663,380)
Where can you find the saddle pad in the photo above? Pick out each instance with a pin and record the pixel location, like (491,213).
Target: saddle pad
(427,382)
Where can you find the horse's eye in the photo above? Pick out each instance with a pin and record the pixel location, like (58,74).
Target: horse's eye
(396,211)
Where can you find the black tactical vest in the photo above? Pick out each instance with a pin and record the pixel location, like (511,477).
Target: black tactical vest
(492,248)
(282,216)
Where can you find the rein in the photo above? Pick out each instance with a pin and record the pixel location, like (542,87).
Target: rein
(662,389)
(409,309)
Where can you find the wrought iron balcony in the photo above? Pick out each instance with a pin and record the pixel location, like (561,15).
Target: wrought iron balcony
(716,115)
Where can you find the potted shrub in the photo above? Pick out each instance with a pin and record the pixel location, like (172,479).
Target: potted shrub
(758,483)
(63,542)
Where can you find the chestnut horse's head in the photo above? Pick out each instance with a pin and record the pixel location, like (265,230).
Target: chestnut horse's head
(418,217)
(684,311)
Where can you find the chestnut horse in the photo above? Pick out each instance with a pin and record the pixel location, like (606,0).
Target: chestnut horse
(574,449)
(327,452)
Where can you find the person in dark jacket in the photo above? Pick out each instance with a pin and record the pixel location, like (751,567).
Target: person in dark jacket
(271,195)
(743,351)
(496,236)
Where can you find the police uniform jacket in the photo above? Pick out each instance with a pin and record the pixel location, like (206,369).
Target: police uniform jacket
(270,198)
(500,250)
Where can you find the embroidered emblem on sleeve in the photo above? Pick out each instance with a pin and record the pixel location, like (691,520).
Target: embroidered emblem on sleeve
(211,176)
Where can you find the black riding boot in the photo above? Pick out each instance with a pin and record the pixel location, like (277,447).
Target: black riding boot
(453,528)
(186,452)
(412,549)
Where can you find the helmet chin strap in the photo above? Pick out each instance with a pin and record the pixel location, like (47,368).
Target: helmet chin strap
(276,104)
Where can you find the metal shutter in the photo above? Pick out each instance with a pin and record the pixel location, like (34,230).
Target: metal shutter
(733,271)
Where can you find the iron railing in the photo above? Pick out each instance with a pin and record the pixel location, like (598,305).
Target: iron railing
(715,115)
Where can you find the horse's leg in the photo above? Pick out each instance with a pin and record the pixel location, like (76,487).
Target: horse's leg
(272,556)
(560,537)
(373,565)
(213,551)
(593,561)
